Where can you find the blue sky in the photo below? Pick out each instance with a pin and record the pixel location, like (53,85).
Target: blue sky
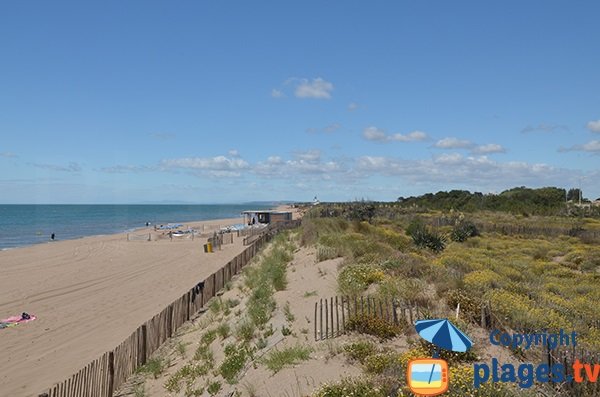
(216,102)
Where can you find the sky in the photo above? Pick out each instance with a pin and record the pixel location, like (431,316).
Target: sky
(235,101)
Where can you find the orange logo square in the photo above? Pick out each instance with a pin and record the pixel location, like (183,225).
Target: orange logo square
(427,376)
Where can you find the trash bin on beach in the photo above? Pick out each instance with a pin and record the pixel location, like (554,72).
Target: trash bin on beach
(209,247)
(205,247)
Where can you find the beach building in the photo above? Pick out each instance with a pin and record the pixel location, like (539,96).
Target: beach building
(266,217)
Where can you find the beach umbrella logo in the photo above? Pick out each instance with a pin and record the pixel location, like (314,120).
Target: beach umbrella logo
(429,376)
(443,334)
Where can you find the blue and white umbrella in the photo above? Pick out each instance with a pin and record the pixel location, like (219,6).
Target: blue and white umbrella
(443,334)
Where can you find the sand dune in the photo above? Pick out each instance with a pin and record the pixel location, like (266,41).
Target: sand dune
(89,295)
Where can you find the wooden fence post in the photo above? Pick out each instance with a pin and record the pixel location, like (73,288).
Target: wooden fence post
(337,317)
(321,318)
(483,323)
(326,319)
(343,317)
(143,353)
(331,305)
(315,321)
(111,373)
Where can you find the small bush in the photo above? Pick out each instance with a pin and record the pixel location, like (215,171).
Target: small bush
(354,279)
(209,337)
(203,353)
(234,362)
(378,363)
(154,366)
(223,330)
(470,308)
(360,350)
(245,331)
(285,331)
(350,387)
(372,325)
(213,388)
(289,316)
(277,359)
(463,230)
(432,240)
(215,305)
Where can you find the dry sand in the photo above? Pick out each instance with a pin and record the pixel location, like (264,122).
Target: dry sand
(307,282)
(89,295)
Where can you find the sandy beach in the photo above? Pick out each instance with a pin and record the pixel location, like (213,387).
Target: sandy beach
(89,294)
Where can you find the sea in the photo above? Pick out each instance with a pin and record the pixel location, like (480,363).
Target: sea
(23,225)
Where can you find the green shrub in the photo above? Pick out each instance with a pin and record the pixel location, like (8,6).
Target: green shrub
(154,366)
(372,325)
(359,351)
(425,238)
(277,359)
(358,387)
(380,362)
(223,330)
(261,304)
(289,316)
(463,230)
(245,331)
(470,308)
(213,388)
(209,337)
(234,362)
(354,279)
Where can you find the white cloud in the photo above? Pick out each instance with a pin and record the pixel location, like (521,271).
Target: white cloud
(315,88)
(275,93)
(352,106)
(448,158)
(488,149)
(8,155)
(453,143)
(311,156)
(378,135)
(453,168)
(374,134)
(71,167)
(307,163)
(123,169)
(213,166)
(591,146)
(410,137)
(333,127)
(594,125)
(234,153)
(543,127)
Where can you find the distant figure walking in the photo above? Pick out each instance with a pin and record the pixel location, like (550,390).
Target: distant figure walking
(52,237)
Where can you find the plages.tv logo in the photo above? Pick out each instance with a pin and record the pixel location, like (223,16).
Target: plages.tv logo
(429,376)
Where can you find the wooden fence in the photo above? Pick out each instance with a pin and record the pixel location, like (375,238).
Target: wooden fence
(103,376)
(332,314)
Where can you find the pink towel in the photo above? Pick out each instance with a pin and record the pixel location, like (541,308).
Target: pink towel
(18,319)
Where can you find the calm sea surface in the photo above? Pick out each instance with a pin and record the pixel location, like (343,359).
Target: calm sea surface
(22,225)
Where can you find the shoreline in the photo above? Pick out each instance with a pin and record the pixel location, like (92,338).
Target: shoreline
(27,239)
(89,294)
(139,229)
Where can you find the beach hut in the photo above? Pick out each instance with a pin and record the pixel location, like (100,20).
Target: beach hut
(265,217)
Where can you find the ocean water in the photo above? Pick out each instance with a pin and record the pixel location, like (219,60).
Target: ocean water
(22,225)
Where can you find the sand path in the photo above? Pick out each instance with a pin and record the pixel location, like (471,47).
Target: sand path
(89,295)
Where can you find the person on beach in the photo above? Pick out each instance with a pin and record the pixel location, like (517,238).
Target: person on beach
(52,237)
